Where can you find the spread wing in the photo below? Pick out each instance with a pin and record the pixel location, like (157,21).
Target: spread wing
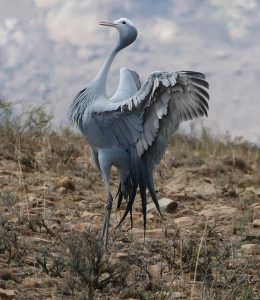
(129,84)
(165,100)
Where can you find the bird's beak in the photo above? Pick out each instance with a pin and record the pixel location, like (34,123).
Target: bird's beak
(104,23)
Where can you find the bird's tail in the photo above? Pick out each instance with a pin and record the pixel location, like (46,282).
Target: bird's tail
(141,177)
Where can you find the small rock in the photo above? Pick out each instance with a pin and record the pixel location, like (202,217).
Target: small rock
(251,249)
(62,190)
(66,182)
(155,271)
(177,295)
(166,205)
(226,210)
(254,190)
(6,294)
(256,223)
(237,263)
(221,211)
(184,212)
(121,255)
(205,189)
(177,183)
(31,197)
(184,221)
(257,211)
(89,214)
(207,213)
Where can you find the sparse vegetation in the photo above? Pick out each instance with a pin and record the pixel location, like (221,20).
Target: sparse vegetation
(52,202)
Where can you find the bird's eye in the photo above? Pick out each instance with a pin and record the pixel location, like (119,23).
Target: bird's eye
(123,22)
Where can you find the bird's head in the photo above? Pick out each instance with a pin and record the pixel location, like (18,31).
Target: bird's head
(126,29)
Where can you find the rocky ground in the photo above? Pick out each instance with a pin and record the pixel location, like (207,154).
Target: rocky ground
(51,210)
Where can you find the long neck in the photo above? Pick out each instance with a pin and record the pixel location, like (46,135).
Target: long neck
(101,77)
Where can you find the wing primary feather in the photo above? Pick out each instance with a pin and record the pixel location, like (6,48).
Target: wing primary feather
(200,90)
(181,107)
(199,81)
(193,74)
(199,106)
(192,113)
(201,99)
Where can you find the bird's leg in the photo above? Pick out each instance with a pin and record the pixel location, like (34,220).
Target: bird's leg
(105,171)
(105,231)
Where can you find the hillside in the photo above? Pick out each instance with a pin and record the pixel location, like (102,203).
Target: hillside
(52,203)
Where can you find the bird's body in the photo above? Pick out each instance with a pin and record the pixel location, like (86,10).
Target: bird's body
(132,129)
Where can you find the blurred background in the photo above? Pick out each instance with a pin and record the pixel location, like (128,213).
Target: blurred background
(50,49)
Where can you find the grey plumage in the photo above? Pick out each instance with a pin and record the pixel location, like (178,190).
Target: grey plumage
(132,129)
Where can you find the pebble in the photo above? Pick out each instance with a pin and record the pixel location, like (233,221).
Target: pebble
(7,294)
(251,249)
(222,211)
(184,212)
(207,213)
(155,271)
(255,191)
(62,190)
(166,205)
(256,223)
(66,182)
(121,255)
(184,221)
(257,211)
(177,295)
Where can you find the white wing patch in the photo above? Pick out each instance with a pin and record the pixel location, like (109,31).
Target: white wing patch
(129,84)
